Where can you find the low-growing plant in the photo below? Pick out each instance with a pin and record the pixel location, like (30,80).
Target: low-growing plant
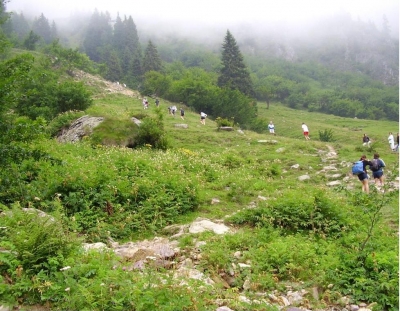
(326,135)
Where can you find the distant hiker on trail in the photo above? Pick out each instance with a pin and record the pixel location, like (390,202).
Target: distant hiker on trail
(391,141)
(271,128)
(145,103)
(366,140)
(376,166)
(305,131)
(157,102)
(173,110)
(203,117)
(363,176)
(182,114)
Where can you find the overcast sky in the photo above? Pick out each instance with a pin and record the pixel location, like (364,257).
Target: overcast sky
(216,11)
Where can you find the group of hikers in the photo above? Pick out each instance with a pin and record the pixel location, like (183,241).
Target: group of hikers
(375,165)
(393,147)
(304,127)
(172,110)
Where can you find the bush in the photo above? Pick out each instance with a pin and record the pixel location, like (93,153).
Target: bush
(326,135)
(224,122)
(293,214)
(33,241)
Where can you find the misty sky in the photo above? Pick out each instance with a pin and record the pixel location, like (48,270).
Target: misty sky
(216,11)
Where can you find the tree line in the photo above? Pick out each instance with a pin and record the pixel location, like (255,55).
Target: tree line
(226,84)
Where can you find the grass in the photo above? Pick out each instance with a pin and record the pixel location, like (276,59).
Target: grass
(305,234)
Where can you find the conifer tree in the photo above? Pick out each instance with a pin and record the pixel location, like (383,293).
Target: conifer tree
(152,60)
(98,35)
(234,73)
(42,28)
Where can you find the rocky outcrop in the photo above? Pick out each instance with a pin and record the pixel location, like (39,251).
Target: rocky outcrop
(81,127)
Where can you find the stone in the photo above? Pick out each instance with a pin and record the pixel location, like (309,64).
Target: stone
(304,177)
(184,126)
(79,128)
(334,183)
(207,225)
(226,128)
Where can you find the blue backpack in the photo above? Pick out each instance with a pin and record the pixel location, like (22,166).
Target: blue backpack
(357,168)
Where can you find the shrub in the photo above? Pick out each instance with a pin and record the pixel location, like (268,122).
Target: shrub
(326,135)
(224,122)
(293,214)
(33,241)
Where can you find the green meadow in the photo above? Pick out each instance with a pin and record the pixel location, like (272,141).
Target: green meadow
(302,234)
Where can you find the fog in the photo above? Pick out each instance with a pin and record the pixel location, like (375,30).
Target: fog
(208,20)
(211,12)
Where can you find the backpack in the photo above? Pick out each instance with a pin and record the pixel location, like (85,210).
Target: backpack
(374,165)
(357,168)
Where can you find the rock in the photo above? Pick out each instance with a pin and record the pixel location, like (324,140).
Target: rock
(243,265)
(295,166)
(304,177)
(136,121)
(81,127)
(334,183)
(223,308)
(240,132)
(279,150)
(215,201)
(184,126)
(207,225)
(97,246)
(226,128)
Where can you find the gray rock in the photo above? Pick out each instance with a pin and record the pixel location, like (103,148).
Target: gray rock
(304,177)
(81,127)
(184,126)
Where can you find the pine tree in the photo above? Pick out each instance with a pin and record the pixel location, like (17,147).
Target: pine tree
(42,28)
(53,31)
(98,35)
(152,60)
(234,73)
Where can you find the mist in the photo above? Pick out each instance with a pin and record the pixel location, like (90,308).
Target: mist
(208,19)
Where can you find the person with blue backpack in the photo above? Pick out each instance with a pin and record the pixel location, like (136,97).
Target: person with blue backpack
(376,167)
(360,169)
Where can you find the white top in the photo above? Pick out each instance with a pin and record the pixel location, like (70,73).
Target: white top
(203,115)
(271,126)
(305,128)
(391,139)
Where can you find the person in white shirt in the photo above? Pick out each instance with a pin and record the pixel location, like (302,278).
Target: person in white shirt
(305,131)
(391,141)
(271,128)
(203,118)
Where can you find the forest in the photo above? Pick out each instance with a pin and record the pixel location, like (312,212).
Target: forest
(345,68)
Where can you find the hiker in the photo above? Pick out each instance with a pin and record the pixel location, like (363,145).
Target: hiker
(271,128)
(363,177)
(305,131)
(203,118)
(145,103)
(366,140)
(182,114)
(391,141)
(157,102)
(173,110)
(376,166)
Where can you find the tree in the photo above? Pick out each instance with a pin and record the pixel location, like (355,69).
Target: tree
(42,28)
(31,40)
(151,61)
(98,35)
(234,73)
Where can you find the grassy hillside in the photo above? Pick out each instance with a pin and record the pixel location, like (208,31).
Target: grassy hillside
(294,234)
